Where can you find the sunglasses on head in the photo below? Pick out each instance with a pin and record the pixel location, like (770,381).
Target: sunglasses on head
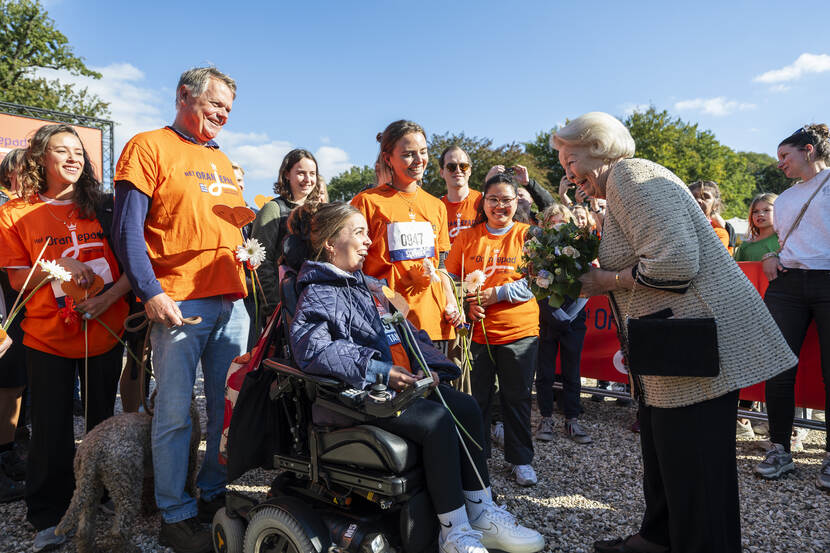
(453,166)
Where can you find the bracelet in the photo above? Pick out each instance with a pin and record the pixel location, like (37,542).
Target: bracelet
(768,255)
(617,279)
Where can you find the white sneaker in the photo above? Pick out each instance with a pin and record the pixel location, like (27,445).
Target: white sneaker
(744,430)
(462,539)
(525,475)
(46,540)
(797,440)
(499,530)
(497,435)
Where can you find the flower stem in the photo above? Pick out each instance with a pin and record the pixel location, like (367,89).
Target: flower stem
(483,329)
(117,337)
(22,304)
(256,303)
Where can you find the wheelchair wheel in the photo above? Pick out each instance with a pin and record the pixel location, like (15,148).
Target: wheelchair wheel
(275,530)
(227,533)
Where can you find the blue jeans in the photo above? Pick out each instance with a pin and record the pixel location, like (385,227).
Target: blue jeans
(221,336)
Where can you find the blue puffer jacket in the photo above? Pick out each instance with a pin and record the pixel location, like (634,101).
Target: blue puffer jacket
(337,330)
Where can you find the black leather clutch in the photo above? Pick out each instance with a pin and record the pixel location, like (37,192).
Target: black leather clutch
(662,346)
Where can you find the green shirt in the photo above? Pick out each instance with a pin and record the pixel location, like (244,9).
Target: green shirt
(753,251)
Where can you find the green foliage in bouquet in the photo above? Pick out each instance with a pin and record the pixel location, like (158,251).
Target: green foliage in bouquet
(555,258)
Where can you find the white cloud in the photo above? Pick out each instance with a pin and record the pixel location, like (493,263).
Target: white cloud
(260,158)
(134,106)
(806,63)
(332,161)
(631,109)
(718,107)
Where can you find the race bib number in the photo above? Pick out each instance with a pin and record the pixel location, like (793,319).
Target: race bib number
(410,240)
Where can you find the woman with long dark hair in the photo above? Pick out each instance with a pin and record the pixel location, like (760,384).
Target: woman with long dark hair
(59,198)
(504,315)
(297,184)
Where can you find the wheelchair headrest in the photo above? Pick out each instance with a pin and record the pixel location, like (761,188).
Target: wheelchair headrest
(289,294)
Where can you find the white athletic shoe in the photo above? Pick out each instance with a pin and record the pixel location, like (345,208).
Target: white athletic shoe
(462,539)
(525,475)
(499,530)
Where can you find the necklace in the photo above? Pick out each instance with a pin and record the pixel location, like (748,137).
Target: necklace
(407,200)
(70,225)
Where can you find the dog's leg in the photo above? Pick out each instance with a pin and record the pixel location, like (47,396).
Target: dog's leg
(124,485)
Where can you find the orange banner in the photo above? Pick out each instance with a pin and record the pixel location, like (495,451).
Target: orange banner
(16,131)
(601,358)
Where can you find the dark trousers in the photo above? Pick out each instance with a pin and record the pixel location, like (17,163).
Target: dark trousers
(428,423)
(565,339)
(794,299)
(50,480)
(514,365)
(690,477)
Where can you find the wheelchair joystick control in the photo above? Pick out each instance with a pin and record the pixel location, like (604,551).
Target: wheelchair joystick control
(379,393)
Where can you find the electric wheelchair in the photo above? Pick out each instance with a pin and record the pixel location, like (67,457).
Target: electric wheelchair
(353,489)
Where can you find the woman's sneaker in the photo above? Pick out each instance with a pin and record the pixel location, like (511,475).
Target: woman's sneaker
(544,431)
(462,539)
(777,463)
(499,530)
(525,475)
(575,432)
(743,430)
(46,540)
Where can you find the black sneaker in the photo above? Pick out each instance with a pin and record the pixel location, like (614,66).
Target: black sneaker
(10,490)
(186,536)
(208,508)
(13,465)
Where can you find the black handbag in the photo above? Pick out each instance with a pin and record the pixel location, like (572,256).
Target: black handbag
(659,345)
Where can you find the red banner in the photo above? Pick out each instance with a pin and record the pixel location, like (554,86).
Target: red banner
(601,358)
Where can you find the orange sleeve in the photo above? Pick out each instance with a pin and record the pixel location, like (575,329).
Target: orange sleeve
(139,167)
(453,261)
(13,253)
(443,244)
(723,235)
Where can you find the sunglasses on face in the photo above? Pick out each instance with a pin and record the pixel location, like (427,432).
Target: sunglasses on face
(451,167)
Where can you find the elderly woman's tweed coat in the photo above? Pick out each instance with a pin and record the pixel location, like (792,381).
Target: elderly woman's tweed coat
(654,222)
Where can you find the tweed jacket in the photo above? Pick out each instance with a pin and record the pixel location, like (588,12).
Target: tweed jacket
(653,222)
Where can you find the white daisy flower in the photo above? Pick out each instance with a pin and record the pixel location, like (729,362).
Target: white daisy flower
(55,271)
(474,281)
(251,252)
(393,318)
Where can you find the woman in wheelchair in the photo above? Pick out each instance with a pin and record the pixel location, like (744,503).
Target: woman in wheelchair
(338,332)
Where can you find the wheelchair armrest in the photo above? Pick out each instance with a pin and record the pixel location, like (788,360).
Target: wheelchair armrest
(281,366)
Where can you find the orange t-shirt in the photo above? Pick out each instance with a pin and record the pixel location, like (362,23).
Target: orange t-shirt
(193,251)
(723,234)
(23,228)
(505,322)
(461,215)
(393,338)
(406,229)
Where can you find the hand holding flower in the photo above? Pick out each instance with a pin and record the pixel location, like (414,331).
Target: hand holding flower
(484,298)
(435,379)
(96,306)
(80,272)
(5,345)
(595,282)
(476,312)
(451,314)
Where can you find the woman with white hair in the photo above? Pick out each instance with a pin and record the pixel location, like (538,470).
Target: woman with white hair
(663,266)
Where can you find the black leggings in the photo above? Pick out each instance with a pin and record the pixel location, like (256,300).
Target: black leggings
(448,471)
(794,299)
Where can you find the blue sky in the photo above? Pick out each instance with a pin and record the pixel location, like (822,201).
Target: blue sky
(327,76)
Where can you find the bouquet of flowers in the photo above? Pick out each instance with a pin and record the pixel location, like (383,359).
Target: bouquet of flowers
(555,258)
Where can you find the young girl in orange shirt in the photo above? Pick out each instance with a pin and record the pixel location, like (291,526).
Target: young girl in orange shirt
(504,316)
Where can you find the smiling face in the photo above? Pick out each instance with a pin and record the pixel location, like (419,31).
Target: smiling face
(408,159)
(581,216)
(500,204)
(793,161)
(302,178)
(63,161)
(202,117)
(454,175)
(762,215)
(587,172)
(348,248)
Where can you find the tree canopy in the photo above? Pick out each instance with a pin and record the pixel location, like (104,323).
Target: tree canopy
(347,184)
(29,41)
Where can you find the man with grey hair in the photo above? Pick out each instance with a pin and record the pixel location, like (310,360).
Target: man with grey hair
(180,258)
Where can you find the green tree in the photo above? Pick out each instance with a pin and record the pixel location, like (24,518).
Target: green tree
(344,186)
(764,168)
(693,154)
(483,156)
(29,41)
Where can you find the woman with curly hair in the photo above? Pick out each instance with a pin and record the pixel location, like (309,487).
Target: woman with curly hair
(64,323)
(298,183)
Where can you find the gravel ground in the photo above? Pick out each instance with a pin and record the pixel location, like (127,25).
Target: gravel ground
(585,492)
